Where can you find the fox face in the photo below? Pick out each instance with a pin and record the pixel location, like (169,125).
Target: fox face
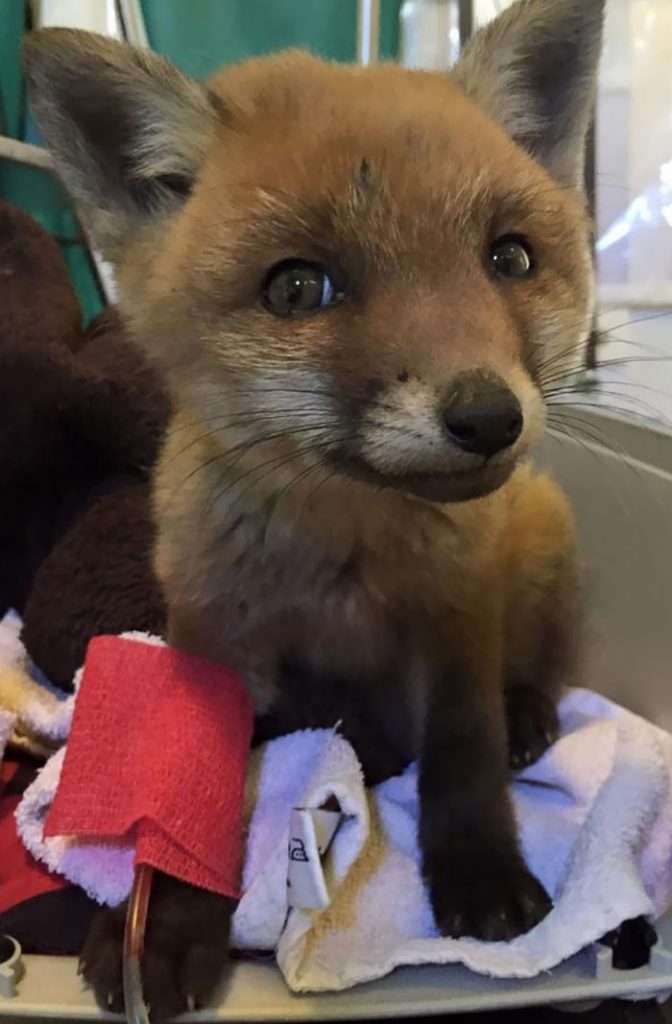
(368,271)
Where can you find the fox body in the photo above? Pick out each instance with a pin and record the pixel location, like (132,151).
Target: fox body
(358,284)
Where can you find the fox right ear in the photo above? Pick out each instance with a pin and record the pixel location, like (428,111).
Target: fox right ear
(126,129)
(534,70)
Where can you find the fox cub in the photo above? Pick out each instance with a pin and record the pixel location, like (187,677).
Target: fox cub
(359,284)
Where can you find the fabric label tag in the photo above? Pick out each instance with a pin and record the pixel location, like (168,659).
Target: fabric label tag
(310,835)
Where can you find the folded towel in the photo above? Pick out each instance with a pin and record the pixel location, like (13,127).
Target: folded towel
(12,651)
(40,714)
(596,823)
(7,726)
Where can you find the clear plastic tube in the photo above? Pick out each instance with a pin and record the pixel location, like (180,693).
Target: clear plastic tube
(137,1011)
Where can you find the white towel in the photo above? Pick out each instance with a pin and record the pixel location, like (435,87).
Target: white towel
(596,823)
(7,726)
(40,714)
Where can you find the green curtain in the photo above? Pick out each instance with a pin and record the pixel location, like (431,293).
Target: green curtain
(37,191)
(201,35)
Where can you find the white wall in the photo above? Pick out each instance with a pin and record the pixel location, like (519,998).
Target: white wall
(635,154)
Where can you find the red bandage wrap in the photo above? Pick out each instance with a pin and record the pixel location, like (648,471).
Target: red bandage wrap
(157,757)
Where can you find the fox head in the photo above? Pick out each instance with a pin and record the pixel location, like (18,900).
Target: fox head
(374,270)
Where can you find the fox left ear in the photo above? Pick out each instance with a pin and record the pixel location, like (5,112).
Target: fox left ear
(534,70)
(127,130)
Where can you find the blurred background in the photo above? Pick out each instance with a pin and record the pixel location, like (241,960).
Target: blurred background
(629,365)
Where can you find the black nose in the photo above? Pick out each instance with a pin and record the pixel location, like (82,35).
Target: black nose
(486,422)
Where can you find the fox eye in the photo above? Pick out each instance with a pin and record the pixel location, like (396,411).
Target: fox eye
(294,287)
(512,256)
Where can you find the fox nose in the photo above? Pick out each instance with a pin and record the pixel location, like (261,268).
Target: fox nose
(486,420)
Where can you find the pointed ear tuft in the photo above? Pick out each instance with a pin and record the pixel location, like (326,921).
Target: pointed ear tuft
(534,70)
(127,130)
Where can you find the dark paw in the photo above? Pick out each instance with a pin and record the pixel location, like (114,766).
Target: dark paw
(497,907)
(532,724)
(631,944)
(185,956)
(100,959)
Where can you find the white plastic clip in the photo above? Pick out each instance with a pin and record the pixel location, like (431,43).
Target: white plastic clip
(11,966)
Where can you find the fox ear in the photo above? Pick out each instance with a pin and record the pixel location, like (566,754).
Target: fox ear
(127,130)
(534,70)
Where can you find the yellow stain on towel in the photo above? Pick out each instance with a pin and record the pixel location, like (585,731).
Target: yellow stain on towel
(18,693)
(342,913)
